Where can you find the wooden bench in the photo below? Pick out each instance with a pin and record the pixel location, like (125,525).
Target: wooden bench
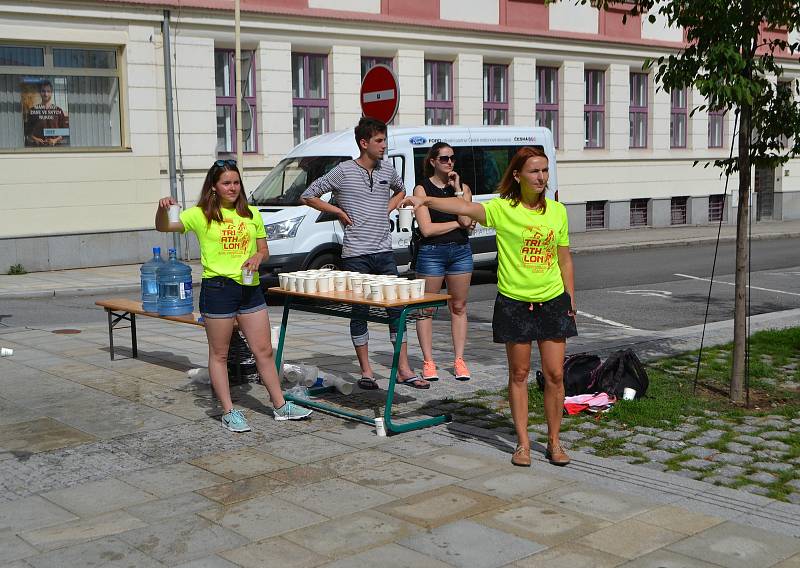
(120,309)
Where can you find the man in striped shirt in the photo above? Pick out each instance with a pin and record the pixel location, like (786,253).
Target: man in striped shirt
(366,190)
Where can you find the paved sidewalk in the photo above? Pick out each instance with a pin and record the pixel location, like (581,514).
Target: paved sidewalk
(125,278)
(125,463)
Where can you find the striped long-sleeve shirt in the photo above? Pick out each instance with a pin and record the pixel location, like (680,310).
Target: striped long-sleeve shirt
(365,199)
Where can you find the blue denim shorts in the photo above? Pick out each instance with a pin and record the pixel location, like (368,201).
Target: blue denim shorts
(222,297)
(440,260)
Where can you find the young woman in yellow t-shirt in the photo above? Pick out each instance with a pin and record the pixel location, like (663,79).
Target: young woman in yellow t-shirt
(232,238)
(535,300)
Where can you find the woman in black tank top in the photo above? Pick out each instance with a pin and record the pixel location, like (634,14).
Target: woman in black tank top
(444,256)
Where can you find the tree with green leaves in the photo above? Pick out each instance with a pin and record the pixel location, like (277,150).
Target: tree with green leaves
(734,56)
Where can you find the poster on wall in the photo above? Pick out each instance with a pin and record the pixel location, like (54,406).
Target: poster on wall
(45,112)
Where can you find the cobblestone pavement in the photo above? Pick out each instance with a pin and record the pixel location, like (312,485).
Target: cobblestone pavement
(125,463)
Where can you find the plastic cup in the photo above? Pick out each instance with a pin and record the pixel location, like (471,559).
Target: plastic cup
(283,280)
(628,393)
(174,213)
(403,290)
(323,285)
(291,283)
(340,282)
(275,335)
(376,292)
(357,285)
(404,217)
(310,285)
(6,352)
(380,427)
(417,288)
(247,276)
(389,290)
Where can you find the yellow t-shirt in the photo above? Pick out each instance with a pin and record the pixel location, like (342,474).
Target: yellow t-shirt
(225,246)
(527,249)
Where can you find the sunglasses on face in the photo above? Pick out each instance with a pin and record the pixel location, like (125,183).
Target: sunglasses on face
(223,163)
(445,159)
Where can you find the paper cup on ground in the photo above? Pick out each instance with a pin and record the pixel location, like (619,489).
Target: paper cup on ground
(174,213)
(628,393)
(404,217)
(275,335)
(323,285)
(247,276)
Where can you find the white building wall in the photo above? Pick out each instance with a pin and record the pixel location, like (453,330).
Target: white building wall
(618,100)
(411,78)
(659,30)
(274,78)
(522,79)
(571,97)
(475,11)
(344,78)
(468,89)
(366,6)
(568,17)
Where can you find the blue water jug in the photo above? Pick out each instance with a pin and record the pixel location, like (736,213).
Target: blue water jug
(150,281)
(174,287)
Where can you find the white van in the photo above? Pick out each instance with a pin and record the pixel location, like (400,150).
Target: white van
(301,237)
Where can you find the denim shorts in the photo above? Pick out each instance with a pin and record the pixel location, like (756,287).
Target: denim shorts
(443,259)
(222,297)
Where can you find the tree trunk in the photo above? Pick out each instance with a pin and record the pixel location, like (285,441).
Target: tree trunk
(742,232)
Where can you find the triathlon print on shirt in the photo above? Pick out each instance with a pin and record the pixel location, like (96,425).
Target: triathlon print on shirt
(234,238)
(538,251)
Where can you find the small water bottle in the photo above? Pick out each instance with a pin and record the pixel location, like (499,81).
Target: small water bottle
(174,287)
(150,281)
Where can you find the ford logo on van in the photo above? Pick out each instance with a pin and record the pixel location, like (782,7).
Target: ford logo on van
(417,140)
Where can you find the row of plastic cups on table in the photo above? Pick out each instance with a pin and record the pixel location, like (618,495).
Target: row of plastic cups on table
(371,286)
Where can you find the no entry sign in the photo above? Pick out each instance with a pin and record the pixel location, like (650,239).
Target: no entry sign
(379,94)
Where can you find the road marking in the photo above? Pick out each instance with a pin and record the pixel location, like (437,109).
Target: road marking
(733,284)
(605,321)
(784,273)
(654,293)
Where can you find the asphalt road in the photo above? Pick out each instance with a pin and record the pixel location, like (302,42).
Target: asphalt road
(640,289)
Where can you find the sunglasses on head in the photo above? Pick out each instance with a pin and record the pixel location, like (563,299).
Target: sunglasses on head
(445,159)
(223,163)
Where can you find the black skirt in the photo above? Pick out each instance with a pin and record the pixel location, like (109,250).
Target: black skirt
(522,322)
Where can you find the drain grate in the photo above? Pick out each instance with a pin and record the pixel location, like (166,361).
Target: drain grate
(66,331)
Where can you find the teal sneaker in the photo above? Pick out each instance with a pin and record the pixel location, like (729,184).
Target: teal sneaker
(235,421)
(290,411)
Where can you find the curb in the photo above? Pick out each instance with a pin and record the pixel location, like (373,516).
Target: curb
(677,242)
(70,292)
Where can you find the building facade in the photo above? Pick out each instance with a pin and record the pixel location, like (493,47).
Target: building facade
(83,124)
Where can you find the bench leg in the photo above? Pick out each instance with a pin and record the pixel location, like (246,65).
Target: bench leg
(110,335)
(134,343)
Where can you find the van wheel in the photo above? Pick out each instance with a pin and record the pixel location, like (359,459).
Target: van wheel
(326,260)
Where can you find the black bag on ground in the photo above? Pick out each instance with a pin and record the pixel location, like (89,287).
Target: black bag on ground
(579,374)
(621,370)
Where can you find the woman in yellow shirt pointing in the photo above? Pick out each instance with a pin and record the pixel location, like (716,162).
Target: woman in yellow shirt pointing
(232,238)
(535,283)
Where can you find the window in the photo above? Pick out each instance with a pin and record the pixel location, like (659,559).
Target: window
(678,211)
(594,109)
(438,92)
(225,82)
(638,111)
(547,99)
(716,128)
(716,207)
(595,214)
(309,95)
(495,94)
(57,97)
(368,63)
(639,212)
(678,119)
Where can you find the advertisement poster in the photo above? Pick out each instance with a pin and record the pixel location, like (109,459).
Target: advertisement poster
(45,112)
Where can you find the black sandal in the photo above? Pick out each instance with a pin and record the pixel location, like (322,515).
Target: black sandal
(367,384)
(415,382)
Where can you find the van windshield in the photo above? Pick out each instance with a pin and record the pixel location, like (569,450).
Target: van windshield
(289,179)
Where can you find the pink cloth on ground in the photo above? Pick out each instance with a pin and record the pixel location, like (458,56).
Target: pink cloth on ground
(579,403)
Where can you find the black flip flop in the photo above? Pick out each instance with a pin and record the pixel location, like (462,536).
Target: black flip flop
(367,384)
(414,382)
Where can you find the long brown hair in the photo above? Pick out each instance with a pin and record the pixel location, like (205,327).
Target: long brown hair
(433,153)
(209,200)
(509,188)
